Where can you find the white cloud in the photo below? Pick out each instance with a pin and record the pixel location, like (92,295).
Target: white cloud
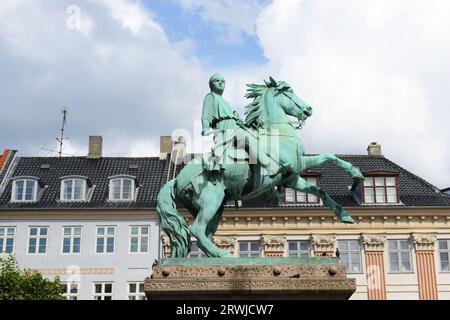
(237,17)
(372,70)
(118,75)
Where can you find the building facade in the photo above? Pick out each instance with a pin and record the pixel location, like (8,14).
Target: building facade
(89,220)
(92,221)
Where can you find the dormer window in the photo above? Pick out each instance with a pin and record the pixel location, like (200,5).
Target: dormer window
(25,189)
(292,196)
(380,189)
(122,188)
(73,188)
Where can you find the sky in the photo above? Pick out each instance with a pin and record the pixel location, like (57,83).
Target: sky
(134,70)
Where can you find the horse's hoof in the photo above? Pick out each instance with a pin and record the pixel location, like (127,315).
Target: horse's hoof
(347,219)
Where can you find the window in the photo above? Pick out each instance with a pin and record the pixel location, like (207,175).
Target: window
(444,253)
(71,239)
(350,255)
(136,291)
(71,290)
(292,196)
(399,256)
(37,243)
(24,190)
(105,239)
(196,252)
(121,188)
(7,239)
(380,190)
(73,189)
(299,248)
(103,291)
(139,239)
(249,249)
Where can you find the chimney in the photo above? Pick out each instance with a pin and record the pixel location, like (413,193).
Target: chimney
(173,146)
(374,149)
(95,147)
(165,146)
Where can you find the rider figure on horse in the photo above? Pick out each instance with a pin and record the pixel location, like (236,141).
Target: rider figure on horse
(218,118)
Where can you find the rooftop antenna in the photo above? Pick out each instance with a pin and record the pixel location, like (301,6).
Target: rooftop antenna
(62,138)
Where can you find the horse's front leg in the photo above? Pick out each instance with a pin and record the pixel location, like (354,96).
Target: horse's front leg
(302,185)
(210,201)
(309,162)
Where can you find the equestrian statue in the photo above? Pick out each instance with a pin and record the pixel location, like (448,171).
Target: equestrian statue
(249,159)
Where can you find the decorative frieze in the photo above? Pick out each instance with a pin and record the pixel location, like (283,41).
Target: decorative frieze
(227,243)
(374,242)
(274,245)
(166,245)
(323,244)
(424,241)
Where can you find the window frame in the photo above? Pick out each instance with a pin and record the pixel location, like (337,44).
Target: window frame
(5,238)
(72,236)
(306,194)
(249,251)
(140,235)
(373,176)
(399,251)
(447,251)
(299,251)
(350,253)
(136,294)
(122,178)
(103,294)
(198,254)
(73,179)
(67,294)
(105,236)
(38,236)
(25,179)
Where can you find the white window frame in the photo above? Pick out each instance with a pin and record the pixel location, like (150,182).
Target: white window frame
(73,180)
(5,238)
(398,251)
(137,295)
(71,236)
(373,187)
(122,178)
(25,182)
(308,197)
(38,238)
(105,236)
(69,295)
(350,253)
(298,252)
(196,253)
(139,236)
(249,253)
(445,251)
(103,294)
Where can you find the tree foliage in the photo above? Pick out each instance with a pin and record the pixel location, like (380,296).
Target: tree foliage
(18,284)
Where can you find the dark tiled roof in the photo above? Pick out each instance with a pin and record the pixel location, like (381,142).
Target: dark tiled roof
(151,175)
(413,191)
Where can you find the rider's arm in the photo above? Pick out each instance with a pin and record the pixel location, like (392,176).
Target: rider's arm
(208,113)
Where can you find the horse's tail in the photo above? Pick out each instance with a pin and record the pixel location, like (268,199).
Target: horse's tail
(172,222)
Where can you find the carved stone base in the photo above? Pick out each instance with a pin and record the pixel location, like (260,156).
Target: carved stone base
(249,278)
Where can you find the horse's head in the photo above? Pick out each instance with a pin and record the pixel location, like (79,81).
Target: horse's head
(290,102)
(271,96)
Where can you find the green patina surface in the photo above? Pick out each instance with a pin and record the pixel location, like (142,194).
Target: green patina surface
(249,261)
(276,158)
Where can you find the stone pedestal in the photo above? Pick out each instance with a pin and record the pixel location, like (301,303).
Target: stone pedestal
(249,278)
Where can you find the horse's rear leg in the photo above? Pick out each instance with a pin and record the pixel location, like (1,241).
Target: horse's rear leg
(309,162)
(302,185)
(210,201)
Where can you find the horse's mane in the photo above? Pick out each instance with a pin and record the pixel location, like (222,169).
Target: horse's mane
(255,113)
